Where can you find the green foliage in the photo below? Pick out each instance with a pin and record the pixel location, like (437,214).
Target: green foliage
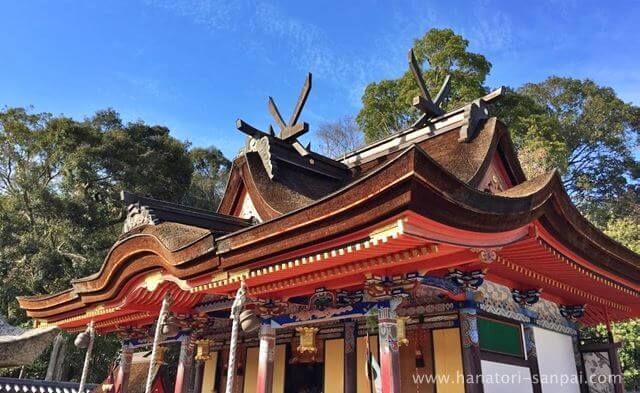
(628,335)
(210,170)
(589,133)
(386,105)
(60,209)
(59,190)
(626,230)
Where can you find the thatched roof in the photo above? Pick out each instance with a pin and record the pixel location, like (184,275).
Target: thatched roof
(21,348)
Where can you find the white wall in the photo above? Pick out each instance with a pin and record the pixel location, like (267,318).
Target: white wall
(556,361)
(505,378)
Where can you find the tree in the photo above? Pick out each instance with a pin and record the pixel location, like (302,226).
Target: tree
(585,131)
(60,181)
(60,210)
(386,105)
(339,137)
(210,171)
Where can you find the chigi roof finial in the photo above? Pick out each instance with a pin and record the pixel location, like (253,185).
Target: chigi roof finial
(474,112)
(284,147)
(289,131)
(429,108)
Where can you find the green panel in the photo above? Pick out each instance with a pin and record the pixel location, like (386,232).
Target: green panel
(500,337)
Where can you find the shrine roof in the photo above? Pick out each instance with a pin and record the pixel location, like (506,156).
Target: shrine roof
(293,187)
(467,161)
(142,210)
(282,200)
(402,184)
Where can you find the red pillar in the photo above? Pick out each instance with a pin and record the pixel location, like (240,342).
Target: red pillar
(389,352)
(265,359)
(184,365)
(125,368)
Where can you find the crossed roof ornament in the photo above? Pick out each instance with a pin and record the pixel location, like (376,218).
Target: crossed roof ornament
(289,131)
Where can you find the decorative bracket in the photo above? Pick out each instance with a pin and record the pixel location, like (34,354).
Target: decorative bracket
(572,312)
(526,297)
(487,255)
(382,287)
(467,280)
(452,290)
(269,307)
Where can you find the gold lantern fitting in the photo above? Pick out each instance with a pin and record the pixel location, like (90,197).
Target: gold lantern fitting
(307,339)
(401,329)
(203,349)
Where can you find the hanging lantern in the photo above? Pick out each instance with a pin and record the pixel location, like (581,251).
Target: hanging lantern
(170,326)
(203,349)
(82,340)
(307,339)
(249,322)
(401,329)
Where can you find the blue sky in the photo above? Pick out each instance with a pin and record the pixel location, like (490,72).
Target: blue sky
(196,66)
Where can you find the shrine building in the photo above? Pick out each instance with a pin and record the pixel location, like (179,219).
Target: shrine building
(431,244)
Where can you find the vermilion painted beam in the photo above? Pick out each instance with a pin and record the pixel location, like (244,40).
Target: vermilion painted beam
(432,262)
